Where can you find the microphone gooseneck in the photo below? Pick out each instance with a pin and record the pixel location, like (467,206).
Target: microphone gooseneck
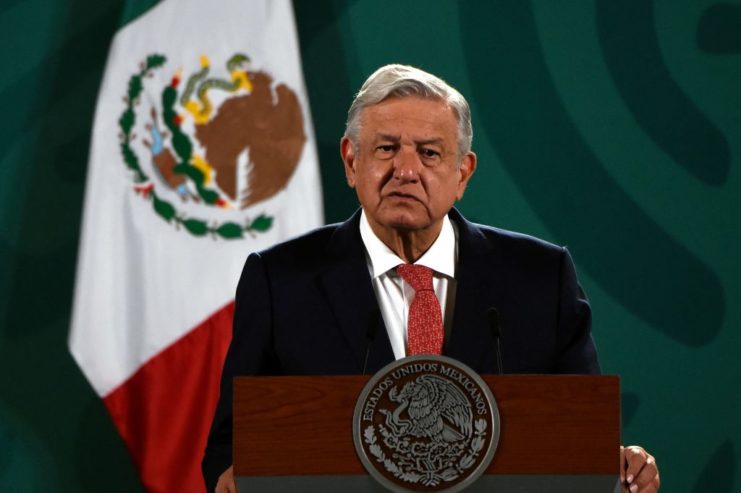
(496,333)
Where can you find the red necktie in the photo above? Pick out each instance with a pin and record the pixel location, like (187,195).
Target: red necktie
(425,323)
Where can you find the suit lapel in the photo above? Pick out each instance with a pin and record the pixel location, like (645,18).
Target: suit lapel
(349,292)
(478,290)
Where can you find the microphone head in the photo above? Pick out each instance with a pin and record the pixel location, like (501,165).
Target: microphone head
(493,315)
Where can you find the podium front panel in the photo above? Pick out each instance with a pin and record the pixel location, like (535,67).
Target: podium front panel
(554,430)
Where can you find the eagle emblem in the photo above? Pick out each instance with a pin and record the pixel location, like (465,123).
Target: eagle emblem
(426,423)
(436,409)
(209,147)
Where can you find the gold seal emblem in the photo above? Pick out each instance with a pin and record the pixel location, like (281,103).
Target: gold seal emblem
(426,423)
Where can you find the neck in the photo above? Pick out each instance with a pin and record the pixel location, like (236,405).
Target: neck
(409,245)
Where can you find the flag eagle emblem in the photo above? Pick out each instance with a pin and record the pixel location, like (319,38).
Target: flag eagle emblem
(211,144)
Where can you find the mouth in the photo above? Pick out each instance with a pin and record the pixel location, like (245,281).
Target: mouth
(402,196)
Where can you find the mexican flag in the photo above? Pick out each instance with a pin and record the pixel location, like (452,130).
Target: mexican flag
(202,152)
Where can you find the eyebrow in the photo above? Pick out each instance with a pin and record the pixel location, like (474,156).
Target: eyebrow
(435,141)
(393,138)
(397,138)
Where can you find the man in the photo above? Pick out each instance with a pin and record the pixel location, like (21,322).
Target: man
(336,301)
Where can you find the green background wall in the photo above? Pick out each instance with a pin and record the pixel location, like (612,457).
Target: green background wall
(613,127)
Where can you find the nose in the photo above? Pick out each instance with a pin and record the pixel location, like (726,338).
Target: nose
(407,165)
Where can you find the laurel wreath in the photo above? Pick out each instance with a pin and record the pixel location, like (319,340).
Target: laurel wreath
(163,208)
(449,474)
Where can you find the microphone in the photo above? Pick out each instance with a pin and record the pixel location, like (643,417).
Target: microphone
(370,335)
(496,333)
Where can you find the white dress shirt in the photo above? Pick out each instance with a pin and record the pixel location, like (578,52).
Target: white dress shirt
(394,295)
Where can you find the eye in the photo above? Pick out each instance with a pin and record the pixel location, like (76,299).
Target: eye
(429,153)
(385,151)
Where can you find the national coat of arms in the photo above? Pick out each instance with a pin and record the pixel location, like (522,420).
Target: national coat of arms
(426,423)
(210,144)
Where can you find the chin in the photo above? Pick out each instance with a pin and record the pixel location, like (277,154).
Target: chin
(403,222)
(407,217)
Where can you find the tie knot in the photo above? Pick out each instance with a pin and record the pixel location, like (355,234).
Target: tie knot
(418,276)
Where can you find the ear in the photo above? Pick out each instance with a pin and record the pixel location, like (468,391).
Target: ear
(465,170)
(347,152)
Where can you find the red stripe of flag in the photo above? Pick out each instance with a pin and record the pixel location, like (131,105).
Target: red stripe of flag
(164,411)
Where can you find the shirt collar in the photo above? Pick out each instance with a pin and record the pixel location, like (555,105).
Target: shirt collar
(440,257)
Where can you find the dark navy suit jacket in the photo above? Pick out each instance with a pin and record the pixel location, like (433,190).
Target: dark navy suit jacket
(304,308)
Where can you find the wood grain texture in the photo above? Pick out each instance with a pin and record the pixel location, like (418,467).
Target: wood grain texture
(549,425)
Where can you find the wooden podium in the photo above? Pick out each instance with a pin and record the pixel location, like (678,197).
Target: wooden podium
(558,433)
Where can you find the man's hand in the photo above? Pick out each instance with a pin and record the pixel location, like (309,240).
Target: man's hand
(638,471)
(226,483)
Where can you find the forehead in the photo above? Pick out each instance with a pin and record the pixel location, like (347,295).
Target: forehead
(410,116)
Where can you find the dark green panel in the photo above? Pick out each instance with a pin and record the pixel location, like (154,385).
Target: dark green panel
(55,433)
(720,471)
(330,94)
(719,29)
(633,258)
(627,33)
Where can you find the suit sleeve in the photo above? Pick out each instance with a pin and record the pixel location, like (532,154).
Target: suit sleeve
(250,353)
(577,352)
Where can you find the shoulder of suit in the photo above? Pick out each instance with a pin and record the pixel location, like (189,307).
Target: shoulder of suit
(313,241)
(517,238)
(311,252)
(503,239)
(519,252)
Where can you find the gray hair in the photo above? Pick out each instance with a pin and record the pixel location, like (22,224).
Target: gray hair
(402,81)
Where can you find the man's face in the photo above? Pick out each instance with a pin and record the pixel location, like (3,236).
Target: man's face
(406,169)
